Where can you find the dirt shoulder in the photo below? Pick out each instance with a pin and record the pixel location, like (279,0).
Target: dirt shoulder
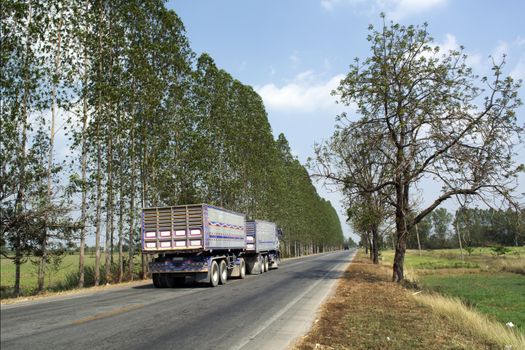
(368,311)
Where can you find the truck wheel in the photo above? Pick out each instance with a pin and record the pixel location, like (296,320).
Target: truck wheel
(260,262)
(223,272)
(266,264)
(214,274)
(242,269)
(276,264)
(156,280)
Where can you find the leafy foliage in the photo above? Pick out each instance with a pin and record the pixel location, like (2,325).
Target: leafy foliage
(150,124)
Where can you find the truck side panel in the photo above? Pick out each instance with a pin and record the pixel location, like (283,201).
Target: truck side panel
(224,229)
(266,236)
(261,236)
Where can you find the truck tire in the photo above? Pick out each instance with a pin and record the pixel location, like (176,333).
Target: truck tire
(276,263)
(260,262)
(156,280)
(266,264)
(242,269)
(214,274)
(223,277)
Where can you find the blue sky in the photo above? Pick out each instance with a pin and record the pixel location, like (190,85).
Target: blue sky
(294,52)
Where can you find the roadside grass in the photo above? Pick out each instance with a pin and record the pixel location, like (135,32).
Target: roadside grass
(501,295)
(368,311)
(59,277)
(480,258)
(493,285)
(457,312)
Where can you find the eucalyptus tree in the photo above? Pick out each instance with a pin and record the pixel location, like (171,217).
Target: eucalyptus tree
(21,168)
(56,47)
(436,122)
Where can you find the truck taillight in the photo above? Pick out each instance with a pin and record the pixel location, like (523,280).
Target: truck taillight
(150,234)
(195,231)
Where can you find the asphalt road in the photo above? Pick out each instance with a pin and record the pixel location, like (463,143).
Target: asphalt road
(267,311)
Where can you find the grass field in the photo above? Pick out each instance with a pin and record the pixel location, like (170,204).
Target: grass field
(58,277)
(494,285)
(501,295)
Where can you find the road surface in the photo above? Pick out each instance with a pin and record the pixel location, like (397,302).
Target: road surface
(267,311)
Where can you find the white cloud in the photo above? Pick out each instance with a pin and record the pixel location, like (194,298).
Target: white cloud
(519,70)
(405,8)
(305,94)
(501,50)
(473,60)
(395,9)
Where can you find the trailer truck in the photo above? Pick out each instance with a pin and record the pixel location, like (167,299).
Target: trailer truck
(262,246)
(206,243)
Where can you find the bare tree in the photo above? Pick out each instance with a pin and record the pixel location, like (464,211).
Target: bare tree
(435,122)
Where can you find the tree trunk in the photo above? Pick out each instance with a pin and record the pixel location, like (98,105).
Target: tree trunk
(375,245)
(98,215)
(83,214)
(401,232)
(399,258)
(459,240)
(18,263)
(418,241)
(109,212)
(99,150)
(121,228)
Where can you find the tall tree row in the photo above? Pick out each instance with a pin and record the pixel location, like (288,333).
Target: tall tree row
(105,110)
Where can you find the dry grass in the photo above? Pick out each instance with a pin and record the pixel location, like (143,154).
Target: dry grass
(370,312)
(478,324)
(510,265)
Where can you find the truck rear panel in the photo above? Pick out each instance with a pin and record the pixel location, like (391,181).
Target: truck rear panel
(261,236)
(192,228)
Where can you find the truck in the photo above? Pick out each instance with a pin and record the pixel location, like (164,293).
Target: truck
(200,241)
(262,246)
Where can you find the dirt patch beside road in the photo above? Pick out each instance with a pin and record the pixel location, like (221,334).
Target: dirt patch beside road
(370,312)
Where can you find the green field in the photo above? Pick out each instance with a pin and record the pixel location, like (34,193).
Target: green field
(501,295)
(494,285)
(58,277)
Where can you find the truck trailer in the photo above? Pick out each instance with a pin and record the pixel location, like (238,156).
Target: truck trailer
(262,246)
(202,241)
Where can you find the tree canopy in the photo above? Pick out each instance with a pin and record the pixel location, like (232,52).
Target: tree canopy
(435,119)
(147,123)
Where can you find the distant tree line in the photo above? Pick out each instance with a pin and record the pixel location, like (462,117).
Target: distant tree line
(475,227)
(148,124)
